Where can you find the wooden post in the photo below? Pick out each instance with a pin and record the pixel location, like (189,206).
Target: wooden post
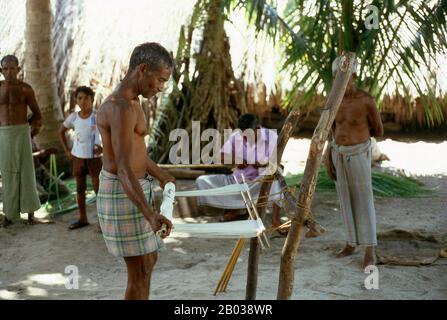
(253,256)
(307,189)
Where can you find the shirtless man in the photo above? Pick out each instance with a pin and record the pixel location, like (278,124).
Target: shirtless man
(16,130)
(128,223)
(348,162)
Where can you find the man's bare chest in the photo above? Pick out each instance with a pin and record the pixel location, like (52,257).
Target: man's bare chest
(140,128)
(12,96)
(351,110)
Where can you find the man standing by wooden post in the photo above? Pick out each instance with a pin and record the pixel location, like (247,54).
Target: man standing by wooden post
(307,188)
(348,162)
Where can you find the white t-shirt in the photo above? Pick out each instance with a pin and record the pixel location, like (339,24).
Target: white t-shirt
(86,135)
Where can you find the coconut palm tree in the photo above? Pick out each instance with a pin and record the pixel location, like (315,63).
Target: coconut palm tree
(212,94)
(397,43)
(39,68)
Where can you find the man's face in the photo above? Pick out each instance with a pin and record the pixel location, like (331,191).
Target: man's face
(84,101)
(10,70)
(153,82)
(351,82)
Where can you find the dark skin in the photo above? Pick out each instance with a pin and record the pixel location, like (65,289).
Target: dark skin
(357,120)
(85,103)
(15,98)
(122,125)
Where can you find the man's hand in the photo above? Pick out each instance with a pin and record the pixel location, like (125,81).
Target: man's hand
(157,221)
(330,168)
(242,166)
(35,128)
(69,155)
(97,149)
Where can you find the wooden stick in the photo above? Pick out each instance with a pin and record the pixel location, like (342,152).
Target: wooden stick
(224,275)
(232,263)
(237,255)
(307,188)
(293,119)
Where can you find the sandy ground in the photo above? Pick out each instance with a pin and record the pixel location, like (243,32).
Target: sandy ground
(34,259)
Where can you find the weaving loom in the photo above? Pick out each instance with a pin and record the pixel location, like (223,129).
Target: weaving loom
(250,228)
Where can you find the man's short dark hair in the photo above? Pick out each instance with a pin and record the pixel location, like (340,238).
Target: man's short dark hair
(247,121)
(151,53)
(10,58)
(86,90)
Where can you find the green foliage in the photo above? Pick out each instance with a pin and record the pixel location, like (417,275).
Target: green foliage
(384,184)
(401,50)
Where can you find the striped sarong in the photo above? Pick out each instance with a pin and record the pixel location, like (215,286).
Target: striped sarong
(17,170)
(354,188)
(124,228)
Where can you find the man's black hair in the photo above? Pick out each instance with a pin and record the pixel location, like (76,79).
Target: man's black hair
(10,58)
(86,90)
(151,53)
(247,121)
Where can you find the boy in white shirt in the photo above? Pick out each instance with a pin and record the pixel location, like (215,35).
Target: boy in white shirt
(86,151)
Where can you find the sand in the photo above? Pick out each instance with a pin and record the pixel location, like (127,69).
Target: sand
(35,260)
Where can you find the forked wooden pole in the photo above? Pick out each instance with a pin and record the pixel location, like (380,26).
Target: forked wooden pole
(307,188)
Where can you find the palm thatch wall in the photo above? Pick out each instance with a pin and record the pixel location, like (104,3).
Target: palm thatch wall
(93,41)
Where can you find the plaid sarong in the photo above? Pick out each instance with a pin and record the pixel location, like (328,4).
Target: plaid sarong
(124,228)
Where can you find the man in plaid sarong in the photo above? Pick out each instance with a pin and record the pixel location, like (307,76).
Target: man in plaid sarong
(128,223)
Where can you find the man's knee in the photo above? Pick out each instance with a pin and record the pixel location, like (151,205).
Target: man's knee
(81,186)
(150,261)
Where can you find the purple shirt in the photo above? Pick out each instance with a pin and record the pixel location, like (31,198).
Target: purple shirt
(247,151)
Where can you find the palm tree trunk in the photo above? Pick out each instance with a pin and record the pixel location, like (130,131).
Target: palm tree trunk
(307,189)
(40,71)
(217,97)
(253,257)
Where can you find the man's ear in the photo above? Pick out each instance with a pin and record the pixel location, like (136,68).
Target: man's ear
(19,69)
(143,68)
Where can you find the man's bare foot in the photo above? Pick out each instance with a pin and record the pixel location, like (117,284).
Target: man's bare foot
(370,257)
(347,251)
(6,222)
(315,230)
(33,220)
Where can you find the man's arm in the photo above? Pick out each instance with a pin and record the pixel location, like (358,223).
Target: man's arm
(63,139)
(374,120)
(122,121)
(158,173)
(327,156)
(36,120)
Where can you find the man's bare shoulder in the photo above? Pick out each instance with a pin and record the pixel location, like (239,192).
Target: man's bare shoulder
(114,108)
(365,95)
(22,84)
(26,86)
